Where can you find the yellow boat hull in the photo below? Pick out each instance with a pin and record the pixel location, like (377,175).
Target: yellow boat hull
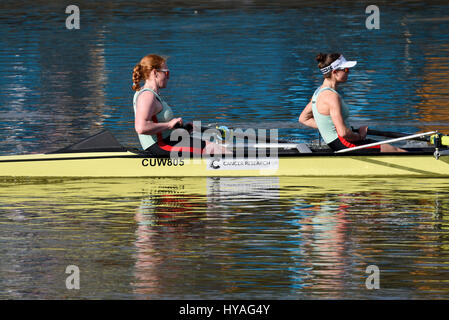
(128,164)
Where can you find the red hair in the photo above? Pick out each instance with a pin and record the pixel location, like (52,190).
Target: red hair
(142,70)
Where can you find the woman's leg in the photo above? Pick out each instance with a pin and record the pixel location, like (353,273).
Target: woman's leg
(390,148)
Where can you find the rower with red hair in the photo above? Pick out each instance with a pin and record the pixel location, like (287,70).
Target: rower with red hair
(154,119)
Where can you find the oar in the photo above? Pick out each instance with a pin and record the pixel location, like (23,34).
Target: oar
(409,137)
(390,134)
(227,132)
(444,139)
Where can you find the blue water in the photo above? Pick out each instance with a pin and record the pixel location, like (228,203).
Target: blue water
(239,64)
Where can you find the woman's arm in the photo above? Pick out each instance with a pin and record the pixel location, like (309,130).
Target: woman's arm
(145,109)
(333,103)
(306,117)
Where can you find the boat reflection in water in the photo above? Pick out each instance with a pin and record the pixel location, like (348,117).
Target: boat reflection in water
(288,237)
(214,238)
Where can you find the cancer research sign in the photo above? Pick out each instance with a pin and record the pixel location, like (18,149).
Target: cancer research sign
(243,164)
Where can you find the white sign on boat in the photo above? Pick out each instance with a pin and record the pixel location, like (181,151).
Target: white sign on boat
(243,164)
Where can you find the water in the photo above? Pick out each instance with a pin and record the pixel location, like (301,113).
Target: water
(242,63)
(247,63)
(234,238)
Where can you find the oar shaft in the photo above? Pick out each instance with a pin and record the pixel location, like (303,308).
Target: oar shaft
(410,137)
(225,133)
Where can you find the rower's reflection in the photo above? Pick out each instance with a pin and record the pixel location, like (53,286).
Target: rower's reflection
(174,228)
(323,232)
(236,236)
(164,222)
(324,225)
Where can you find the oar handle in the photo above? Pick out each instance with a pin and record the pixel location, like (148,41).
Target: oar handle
(226,132)
(188,126)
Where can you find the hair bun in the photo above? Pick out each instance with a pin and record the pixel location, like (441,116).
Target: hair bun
(321,57)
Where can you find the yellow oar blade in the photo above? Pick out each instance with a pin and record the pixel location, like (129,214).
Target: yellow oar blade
(444,140)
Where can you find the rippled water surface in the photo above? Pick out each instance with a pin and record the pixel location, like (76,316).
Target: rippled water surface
(266,238)
(246,63)
(239,63)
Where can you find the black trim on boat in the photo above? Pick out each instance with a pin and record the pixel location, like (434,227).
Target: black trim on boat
(105,141)
(281,154)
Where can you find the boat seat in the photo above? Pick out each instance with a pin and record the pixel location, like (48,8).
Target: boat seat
(303,148)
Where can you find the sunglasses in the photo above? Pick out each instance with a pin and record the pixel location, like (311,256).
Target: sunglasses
(345,70)
(166,71)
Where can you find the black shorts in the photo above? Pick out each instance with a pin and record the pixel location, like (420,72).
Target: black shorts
(167,148)
(340,144)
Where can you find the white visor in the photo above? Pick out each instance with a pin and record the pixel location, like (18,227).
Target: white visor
(340,63)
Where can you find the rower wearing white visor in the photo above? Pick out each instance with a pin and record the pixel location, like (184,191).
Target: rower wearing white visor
(328,112)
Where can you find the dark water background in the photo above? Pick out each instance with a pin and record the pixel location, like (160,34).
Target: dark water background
(242,63)
(239,63)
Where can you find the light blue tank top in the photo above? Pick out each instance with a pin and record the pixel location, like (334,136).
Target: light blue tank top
(165,115)
(325,124)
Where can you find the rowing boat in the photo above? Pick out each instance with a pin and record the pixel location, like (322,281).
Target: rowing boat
(86,194)
(102,155)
